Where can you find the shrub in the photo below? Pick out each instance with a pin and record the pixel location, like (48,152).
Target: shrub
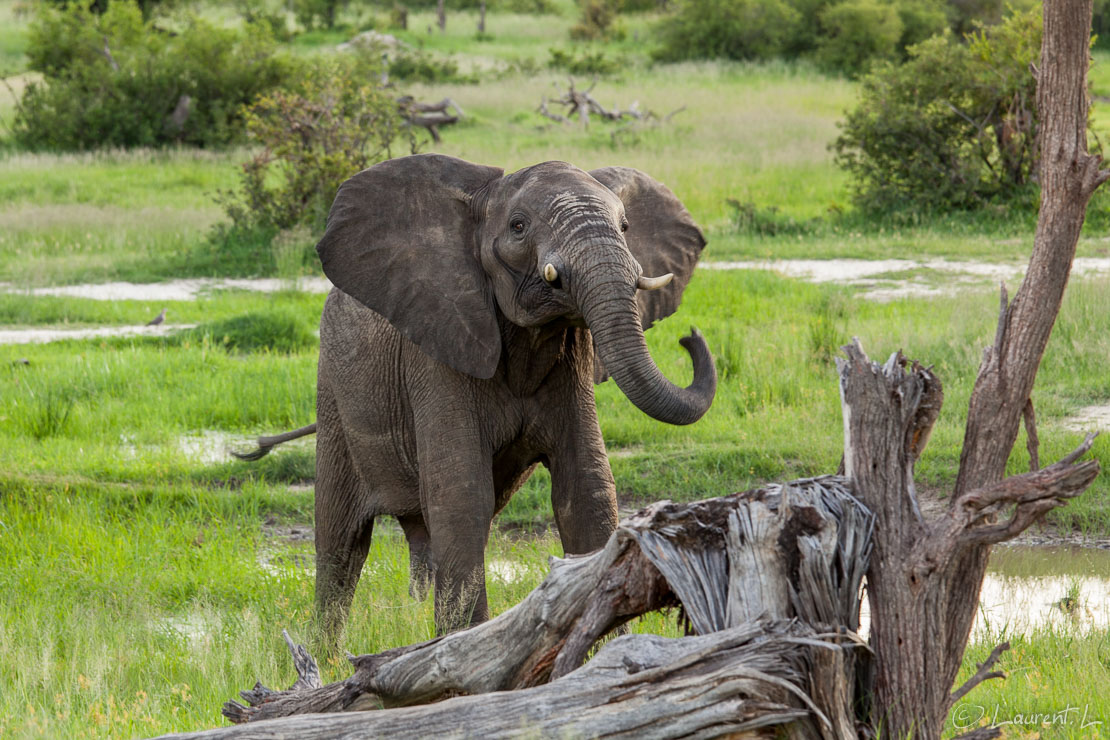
(416,65)
(921,20)
(115,80)
(732,29)
(598,20)
(312,140)
(280,331)
(952,127)
(316,13)
(752,220)
(584,63)
(857,32)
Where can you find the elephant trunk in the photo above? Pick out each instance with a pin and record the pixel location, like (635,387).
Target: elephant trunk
(610,310)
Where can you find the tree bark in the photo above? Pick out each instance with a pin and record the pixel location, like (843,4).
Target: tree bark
(924,600)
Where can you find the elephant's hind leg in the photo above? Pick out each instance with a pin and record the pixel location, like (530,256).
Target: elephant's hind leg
(344,523)
(420,555)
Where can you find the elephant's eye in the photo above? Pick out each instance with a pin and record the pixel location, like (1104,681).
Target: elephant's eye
(624,226)
(517,225)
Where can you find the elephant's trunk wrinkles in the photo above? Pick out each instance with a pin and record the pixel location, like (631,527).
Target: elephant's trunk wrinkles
(606,296)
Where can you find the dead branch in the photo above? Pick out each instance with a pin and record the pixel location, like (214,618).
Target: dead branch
(983,673)
(429,116)
(1031,494)
(543,111)
(1032,443)
(745,682)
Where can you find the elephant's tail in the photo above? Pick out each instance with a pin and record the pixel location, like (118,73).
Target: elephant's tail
(265,444)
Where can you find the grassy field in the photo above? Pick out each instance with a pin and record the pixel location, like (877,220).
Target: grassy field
(146,582)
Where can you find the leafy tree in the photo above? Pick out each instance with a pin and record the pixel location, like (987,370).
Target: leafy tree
(856,33)
(730,29)
(951,127)
(115,80)
(337,122)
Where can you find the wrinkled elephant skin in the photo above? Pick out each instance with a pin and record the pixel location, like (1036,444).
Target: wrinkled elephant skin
(472,313)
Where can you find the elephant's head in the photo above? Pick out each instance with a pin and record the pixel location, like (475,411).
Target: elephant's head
(436,245)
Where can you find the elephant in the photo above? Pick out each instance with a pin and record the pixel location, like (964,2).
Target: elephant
(471,313)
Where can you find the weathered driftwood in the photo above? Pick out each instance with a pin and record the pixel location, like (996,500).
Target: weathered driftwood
(430,116)
(770,568)
(583,104)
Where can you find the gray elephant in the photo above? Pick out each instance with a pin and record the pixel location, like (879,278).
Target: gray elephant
(456,355)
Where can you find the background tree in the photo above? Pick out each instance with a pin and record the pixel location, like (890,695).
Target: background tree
(952,127)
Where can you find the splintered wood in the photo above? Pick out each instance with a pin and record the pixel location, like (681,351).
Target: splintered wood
(768,581)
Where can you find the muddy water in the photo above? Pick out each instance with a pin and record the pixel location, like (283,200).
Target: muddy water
(1027,588)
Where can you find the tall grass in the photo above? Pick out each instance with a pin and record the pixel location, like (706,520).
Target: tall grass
(144,586)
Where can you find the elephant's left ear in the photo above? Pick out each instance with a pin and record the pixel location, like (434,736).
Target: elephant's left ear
(661,235)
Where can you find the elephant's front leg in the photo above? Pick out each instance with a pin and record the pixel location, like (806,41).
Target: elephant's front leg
(457,498)
(583,494)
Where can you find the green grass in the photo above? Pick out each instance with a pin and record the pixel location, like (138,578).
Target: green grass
(146,584)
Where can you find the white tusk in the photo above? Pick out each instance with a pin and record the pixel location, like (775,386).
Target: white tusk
(550,274)
(654,283)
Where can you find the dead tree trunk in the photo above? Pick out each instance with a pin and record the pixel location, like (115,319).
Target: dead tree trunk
(769,578)
(441,16)
(925,578)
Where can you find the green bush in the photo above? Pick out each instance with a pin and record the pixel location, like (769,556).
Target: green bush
(952,127)
(114,80)
(274,331)
(730,29)
(921,20)
(417,65)
(597,21)
(584,63)
(753,220)
(338,122)
(316,13)
(856,33)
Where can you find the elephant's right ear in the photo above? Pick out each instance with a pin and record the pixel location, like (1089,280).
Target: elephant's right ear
(401,238)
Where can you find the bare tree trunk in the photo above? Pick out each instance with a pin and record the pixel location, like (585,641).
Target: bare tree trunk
(924,598)
(482,17)
(441,16)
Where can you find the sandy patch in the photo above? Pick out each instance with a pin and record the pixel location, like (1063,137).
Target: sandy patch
(172,290)
(1090,419)
(868,274)
(41,336)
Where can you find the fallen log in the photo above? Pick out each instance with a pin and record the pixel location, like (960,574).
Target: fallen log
(429,116)
(583,104)
(777,569)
